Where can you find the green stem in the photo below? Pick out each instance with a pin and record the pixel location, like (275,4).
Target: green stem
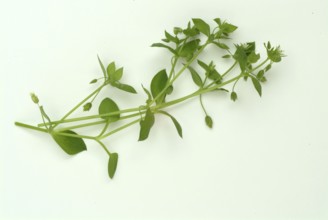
(228,70)
(120,128)
(103,146)
(30,127)
(201,103)
(74,135)
(96,116)
(77,106)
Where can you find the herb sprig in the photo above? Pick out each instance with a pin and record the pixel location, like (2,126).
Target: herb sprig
(185,45)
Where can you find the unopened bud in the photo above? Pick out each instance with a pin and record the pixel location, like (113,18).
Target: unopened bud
(35,99)
(87,106)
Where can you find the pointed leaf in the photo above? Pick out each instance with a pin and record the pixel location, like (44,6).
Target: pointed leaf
(109,106)
(157,85)
(93,81)
(111,70)
(112,164)
(87,106)
(118,74)
(195,77)
(102,67)
(175,122)
(170,38)
(222,45)
(71,145)
(189,48)
(124,87)
(148,94)
(164,46)
(146,124)
(202,26)
(257,85)
(226,56)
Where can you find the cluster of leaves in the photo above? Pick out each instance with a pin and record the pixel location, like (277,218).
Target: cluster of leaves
(185,45)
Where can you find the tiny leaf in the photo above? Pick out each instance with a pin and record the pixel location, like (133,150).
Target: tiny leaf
(202,26)
(195,77)
(93,81)
(209,121)
(164,46)
(157,85)
(170,38)
(71,145)
(222,45)
(124,87)
(148,94)
(169,90)
(146,124)
(226,56)
(109,106)
(112,164)
(257,85)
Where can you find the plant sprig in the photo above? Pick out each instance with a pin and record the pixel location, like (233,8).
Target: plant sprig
(185,45)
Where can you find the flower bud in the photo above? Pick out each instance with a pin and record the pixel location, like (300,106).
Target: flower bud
(34,98)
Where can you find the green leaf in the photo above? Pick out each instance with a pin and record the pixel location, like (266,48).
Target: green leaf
(222,45)
(170,38)
(111,70)
(175,122)
(218,21)
(260,74)
(112,164)
(188,49)
(202,26)
(169,90)
(93,81)
(164,46)
(226,56)
(241,57)
(109,106)
(148,95)
(157,85)
(118,74)
(268,67)
(146,124)
(227,28)
(209,121)
(257,85)
(195,77)
(177,30)
(87,106)
(204,65)
(102,67)
(253,57)
(233,96)
(71,145)
(124,87)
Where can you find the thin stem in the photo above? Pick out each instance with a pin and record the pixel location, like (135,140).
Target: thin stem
(31,127)
(103,146)
(228,70)
(77,106)
(173,67)
(104,129)
(74,135)
(95,116)
(120,128)
(201,103)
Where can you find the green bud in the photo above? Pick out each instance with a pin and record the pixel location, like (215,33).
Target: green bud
(87,106)
(93,81)
(209,121)
(35,99)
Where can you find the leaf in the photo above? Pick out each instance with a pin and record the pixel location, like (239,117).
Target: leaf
(148,94)
(170,38)
(164,46)
(268,67)
(204,65)
(222,45)
(241,57)
(157,85)
(257,85)
(202,26)
(227,28)
(124,87)
(118,74)
(218,21)
(175,122)
(112,164)
(169,90)
(233,96)
(87,106)
(111,70)
(260,74)
(189,48)
(253,57)
(177,30)
(107,106)
(102,67)
(209,121)
(71,145)
(146,124)
(226,56)
(195,77)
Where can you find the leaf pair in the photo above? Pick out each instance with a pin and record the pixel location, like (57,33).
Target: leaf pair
(148,121)
(113,76)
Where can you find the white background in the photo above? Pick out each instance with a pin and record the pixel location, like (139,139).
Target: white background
(265,158)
